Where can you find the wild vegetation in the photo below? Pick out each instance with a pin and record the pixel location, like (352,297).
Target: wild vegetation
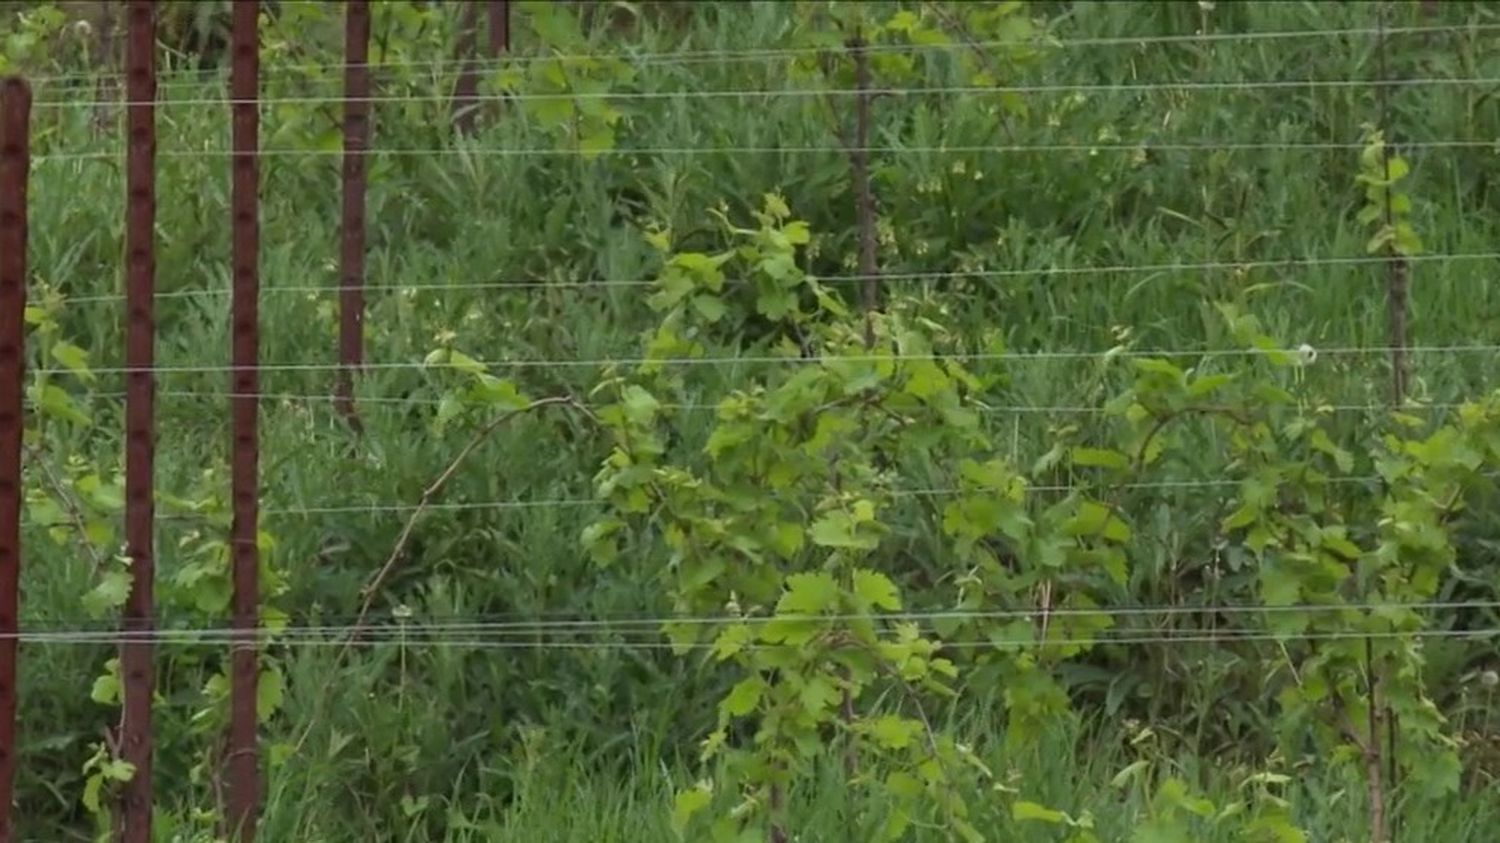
(1024,449)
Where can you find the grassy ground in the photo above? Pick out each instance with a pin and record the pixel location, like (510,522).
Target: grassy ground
(566,796)
(447,744)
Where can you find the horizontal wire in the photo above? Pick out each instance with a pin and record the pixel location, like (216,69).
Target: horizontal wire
(379,508)
(654,624)
(521,621)
(385,402)
(561,503)
(396,622)
(1094,88)
(260,638)
(39,158)
(1284,263)
(772,53)
(998,356)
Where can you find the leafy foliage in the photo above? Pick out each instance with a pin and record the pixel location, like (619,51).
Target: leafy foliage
(925,588)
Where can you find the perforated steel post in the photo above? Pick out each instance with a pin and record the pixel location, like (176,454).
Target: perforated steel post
(244,84)
(15,165)
(352,228)
(140,426)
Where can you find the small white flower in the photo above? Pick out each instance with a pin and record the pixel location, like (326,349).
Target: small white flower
(1489,679)
(1306,355)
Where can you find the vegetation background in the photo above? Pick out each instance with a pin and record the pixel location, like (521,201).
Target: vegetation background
(1098,208)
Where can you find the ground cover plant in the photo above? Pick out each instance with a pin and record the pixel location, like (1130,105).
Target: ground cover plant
(948,421)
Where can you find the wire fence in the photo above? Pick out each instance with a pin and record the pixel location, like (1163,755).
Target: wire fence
(401,627)
(850,278)
(1144,146)
(785,92)
(543,619)
(146,97)
(763,55)
(986,408)
(472,639)
(1301,353)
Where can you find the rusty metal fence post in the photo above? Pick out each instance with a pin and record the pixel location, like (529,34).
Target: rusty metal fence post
(244,84)
(352,228)
(136,651)
(466,88)
(15,166)
(466,99)
(499,27)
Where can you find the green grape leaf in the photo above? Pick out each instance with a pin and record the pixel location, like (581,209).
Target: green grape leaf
(809,594)
(108,594)
(872,588)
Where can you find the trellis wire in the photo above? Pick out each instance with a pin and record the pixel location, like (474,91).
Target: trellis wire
(888,91)
(970,357)
(520,284)
(543,152)
(245,395)
(653,623)
(521,622)
(404,617)
(774,53)
(394,403)
(480,643)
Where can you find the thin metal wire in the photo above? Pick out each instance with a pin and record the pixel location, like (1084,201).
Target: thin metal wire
(977,90)
(773,53)
(518,284)
(387,402)
(653,624)
(774,360)
(555,619)
(1187,637)
(377,508)
(1149,485)
(541,152)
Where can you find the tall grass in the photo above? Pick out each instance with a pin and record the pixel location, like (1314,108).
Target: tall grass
(446,744)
